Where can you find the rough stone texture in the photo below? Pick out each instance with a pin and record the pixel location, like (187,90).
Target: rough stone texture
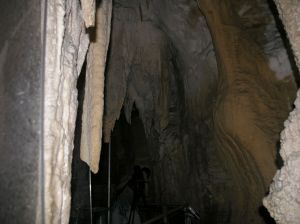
(91,138)
(66,46)
(21,75)
(89,12)
(288,9)
(211,130)
(154,66)
(249,111)
(283,199)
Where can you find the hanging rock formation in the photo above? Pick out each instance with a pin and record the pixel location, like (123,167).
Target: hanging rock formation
(209,93)
(212,108)
(91,137)
(66,46)
(89,12)
(283,199)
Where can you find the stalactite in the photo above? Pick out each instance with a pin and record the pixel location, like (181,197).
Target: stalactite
(94,89)
(89,12)
(212,128)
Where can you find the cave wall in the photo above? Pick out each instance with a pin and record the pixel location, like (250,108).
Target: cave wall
(212,102)
(282,201)
(66,46)
(72,29)
(211,96)
(156,70)
(249,112)
(21,98)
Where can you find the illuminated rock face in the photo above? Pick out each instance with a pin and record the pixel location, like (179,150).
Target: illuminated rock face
(283,199)
(209,94)
(66,46)
(66,49)
(91,137)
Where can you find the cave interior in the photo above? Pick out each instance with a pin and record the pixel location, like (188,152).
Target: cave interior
(196,94)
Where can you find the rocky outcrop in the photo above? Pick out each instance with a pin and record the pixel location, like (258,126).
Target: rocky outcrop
(283,199)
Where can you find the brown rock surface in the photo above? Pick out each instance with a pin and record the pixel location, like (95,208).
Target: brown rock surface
(212,128)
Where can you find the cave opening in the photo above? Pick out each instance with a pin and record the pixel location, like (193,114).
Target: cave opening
(198,99)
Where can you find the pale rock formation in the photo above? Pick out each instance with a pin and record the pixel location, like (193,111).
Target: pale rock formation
(283,200)
(94,88)
(66,47)
(88,11)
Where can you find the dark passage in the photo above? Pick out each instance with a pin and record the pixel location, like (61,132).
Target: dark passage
(196,94)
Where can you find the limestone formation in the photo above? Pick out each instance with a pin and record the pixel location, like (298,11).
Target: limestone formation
(207,90)
(209,126)
(66,47)
(283,199)
(89,12)
(91,137)
(249,110)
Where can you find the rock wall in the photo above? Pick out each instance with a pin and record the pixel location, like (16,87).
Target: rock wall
(210,98)
(67,43)
(66,46)
(153,66)
(283,199)
(212,107)
(21,101)
(249,111)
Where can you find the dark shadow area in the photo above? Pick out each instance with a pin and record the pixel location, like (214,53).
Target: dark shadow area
(279,160)
(263,212)
(80,171)
(286,41)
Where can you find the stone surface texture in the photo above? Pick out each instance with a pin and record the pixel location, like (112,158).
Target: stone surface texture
(91,137)
(89,12)
(21,91)
(66,46)
(283,199)
(211,100)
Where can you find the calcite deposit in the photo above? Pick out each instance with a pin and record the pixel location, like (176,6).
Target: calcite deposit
(283,200)
(200,82)
(91,137)
(89,12)
(212,102)
(66,46)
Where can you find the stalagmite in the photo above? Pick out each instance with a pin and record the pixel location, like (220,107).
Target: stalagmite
(66,46)
(283,200)
(94,100)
